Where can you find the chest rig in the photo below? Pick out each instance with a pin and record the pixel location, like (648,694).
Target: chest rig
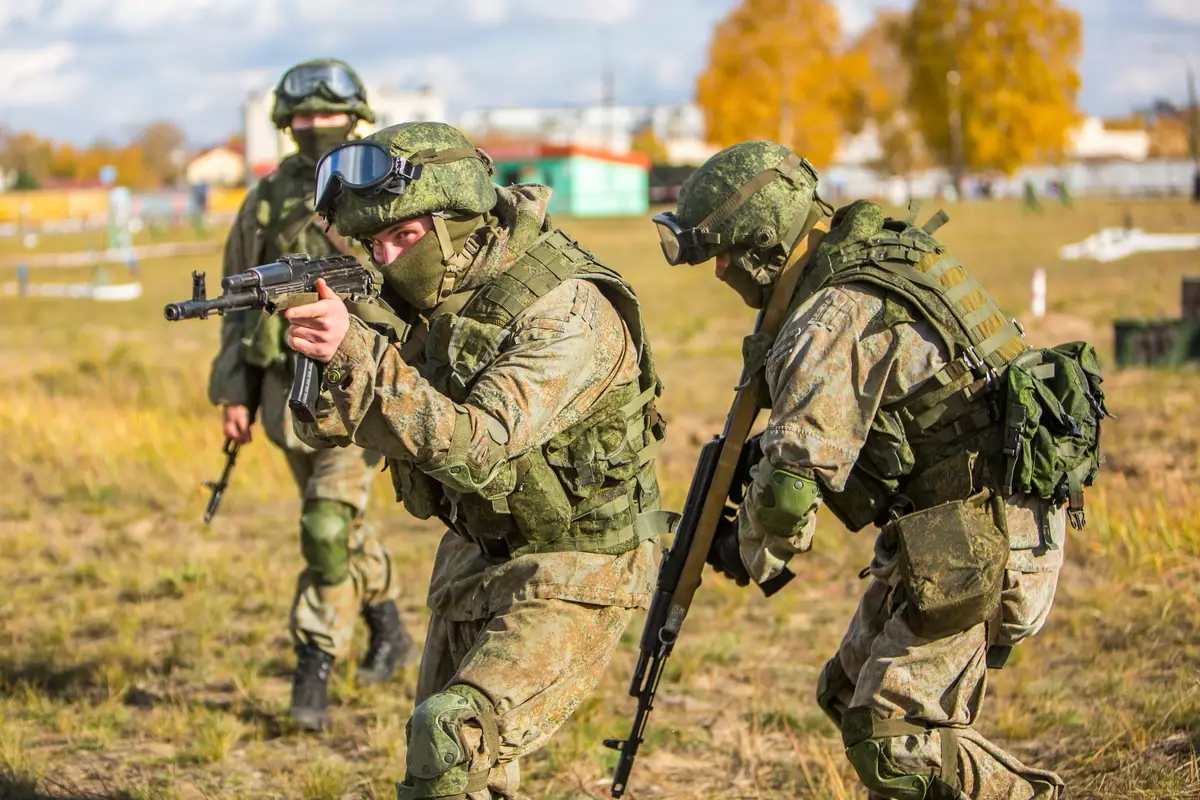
(943,442)
(592,487)
(288,225)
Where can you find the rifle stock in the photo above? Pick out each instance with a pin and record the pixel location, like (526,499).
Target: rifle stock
(682,569)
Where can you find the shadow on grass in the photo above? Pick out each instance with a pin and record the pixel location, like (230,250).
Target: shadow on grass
(19,787)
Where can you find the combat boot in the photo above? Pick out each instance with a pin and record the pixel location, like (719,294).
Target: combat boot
(310,684)
(391,645)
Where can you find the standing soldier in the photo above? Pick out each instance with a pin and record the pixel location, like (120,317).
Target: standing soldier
(886,388)
(347,572)
(527,426)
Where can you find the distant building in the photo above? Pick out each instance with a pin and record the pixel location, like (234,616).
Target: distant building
(266,146)
(679,127)
(222,165)
(587,182)
(1095,141)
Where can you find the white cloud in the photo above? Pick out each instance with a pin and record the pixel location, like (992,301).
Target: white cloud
(1177,10)
(39,77)
(487,12)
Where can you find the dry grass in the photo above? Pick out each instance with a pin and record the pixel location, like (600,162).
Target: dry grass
(144,656)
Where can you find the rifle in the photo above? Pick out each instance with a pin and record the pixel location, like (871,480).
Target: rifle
(292,281)
(218,486)
(680,574)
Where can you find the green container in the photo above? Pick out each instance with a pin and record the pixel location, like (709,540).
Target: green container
(1156,343)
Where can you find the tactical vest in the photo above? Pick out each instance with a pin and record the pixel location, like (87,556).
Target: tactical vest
(289,225)
(592,487)
(943,442)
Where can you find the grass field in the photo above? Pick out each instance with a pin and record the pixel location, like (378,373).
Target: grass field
(145,656)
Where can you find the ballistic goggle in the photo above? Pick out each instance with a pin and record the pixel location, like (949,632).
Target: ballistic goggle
(691,245)
(306,79)
(367,167)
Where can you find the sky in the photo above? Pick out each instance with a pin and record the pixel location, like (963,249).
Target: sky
(76,70)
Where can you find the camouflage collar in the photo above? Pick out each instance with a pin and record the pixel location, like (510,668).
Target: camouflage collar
(517,219)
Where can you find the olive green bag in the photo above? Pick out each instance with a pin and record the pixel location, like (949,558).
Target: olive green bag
(951,565)
(1052,425)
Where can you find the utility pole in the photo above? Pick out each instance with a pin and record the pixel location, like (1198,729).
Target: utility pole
(1193,119)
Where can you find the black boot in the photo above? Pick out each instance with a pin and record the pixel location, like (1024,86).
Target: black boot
(310,685)
(391,646)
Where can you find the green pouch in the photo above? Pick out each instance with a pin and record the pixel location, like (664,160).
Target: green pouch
(951,566)
(1053,408)
(539,507)
(420,493)
(264,346)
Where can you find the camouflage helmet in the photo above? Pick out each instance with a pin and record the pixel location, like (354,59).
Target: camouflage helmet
(750,195)
(320,85)
(454,177)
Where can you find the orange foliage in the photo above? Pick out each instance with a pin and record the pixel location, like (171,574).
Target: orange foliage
(776,70)
(1017,62)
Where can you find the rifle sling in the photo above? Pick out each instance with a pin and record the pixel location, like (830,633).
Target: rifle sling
(742,414)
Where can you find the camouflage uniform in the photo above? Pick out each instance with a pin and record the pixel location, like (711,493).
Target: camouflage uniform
(524,619)
(323,613)
(881,385)
(836,361)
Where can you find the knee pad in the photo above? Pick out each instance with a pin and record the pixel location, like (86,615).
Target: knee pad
(438,760)
(834,682)
(325,540)
(865,737)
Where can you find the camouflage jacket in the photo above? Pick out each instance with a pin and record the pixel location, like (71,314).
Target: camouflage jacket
(839,357)
(567,350)
(274,220)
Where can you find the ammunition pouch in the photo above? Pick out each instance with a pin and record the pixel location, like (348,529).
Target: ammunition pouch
(951,564)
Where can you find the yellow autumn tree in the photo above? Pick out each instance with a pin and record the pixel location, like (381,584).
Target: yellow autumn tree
(994,82)
(646,142)
(776,70)
(881,100)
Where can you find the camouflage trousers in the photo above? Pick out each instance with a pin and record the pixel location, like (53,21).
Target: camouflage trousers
(940,683)
(324,615)
(536,661)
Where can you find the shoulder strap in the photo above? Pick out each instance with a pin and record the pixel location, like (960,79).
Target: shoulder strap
(551,259)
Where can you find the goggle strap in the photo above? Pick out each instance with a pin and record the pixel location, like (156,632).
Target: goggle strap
(432,156)
(789,168)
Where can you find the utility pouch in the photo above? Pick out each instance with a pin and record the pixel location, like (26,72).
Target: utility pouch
(263,345)
(951,565)
(419,492)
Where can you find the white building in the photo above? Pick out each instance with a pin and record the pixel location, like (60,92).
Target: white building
(218,166)
(679,127)
(1093,141)
(265,145)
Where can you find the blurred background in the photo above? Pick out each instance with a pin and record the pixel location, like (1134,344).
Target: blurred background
(144,655)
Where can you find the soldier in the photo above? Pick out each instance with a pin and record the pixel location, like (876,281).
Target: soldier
(347,572)
(527,425)
(881,390)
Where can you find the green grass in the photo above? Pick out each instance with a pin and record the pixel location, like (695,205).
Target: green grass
(143,655)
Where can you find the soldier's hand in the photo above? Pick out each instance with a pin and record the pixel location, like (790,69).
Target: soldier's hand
(237,423)
(724,555)
(318,328)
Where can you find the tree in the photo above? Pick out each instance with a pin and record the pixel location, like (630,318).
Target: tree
(880,100)
(161,145)
(776,71)
(646,142)
(994,82)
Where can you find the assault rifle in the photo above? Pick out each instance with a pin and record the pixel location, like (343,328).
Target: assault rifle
(219,485)
(292,281)
(680,574)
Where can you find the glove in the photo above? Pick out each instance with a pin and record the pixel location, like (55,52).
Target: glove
(749,457)
(724,555)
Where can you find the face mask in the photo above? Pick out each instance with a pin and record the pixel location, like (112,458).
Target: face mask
(315,141)
(417,275)
(740,276)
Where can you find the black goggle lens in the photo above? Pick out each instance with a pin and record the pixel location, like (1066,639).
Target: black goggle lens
(306,80)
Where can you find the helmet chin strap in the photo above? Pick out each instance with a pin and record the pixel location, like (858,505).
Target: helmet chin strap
(456,262)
